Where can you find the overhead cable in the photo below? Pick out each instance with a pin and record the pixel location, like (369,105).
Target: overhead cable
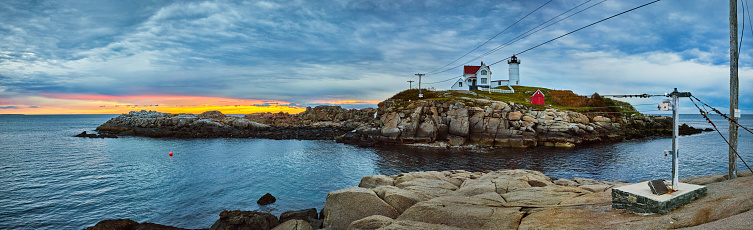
(527,34)
(722,114)
(443,80)
(487,41)
(717,130)
(571,32)
(519,37)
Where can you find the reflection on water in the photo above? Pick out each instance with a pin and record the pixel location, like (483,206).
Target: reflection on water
(52,180)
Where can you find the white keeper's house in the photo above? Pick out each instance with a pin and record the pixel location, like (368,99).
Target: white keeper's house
(480,77)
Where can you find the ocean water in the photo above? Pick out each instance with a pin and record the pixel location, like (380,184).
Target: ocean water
(52,180)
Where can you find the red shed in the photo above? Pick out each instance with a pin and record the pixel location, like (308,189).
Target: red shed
(537,98)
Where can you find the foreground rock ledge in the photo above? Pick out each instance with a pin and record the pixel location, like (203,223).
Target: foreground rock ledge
(504,199)
(517,199)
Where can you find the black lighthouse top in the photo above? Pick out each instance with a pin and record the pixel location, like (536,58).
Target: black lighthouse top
(513,59)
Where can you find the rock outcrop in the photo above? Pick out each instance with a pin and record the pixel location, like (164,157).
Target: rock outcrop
(294,225)
(238,220)
(685,129)
(479,122)
(307,215)
(95,135)
(319,123)
(351,204)
(126,224)
(454,199)
(466,122)
(266,199)
(520,199)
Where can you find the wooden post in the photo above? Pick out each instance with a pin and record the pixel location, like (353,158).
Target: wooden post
(733,87)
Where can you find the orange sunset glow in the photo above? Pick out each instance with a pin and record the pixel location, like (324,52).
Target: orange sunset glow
(105,104)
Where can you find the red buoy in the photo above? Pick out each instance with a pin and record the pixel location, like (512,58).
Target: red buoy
(171,153)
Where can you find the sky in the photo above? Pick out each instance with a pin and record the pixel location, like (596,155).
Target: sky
(239,57)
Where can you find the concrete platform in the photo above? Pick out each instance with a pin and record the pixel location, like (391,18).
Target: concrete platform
(638,198)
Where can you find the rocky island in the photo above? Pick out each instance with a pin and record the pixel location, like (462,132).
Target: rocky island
(319,123)
(451,119)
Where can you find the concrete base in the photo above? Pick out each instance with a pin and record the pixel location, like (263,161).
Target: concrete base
(638,198)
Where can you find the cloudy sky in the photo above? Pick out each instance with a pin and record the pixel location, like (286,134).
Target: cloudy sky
(112,56)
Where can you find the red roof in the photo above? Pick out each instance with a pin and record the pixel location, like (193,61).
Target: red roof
(469,69)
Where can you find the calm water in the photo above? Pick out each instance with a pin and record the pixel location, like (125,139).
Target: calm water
(51,180)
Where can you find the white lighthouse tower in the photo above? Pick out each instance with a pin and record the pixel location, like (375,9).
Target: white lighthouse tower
(514,70)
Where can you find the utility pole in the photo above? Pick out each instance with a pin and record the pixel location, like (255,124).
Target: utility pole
(733,87)
(420,95)
(676,134)
(410,86)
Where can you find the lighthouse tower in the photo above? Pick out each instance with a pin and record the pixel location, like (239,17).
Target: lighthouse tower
(514,70)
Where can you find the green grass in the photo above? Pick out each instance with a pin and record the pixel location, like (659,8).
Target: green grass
(558,99)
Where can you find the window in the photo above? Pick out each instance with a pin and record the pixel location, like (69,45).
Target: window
(483,72)
(460,84)
(483,80)
(499,83)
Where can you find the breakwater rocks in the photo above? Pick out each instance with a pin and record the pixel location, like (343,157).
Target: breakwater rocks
(319,123)
(515,199)
(466,121)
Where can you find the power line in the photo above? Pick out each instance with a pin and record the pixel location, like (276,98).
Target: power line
(443,80)
(561,36)
(723,115)
(589,25)
(634,95)
(742,33)
(526,34)
(521,36)
(487,41)
(744,4)
(717,130)
(618,112)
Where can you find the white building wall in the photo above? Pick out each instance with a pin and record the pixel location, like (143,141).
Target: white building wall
(467,80)
(514,74)
(459,85)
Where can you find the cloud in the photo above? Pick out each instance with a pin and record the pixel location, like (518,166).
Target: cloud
(303,52)
(266,104)
(9,107)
